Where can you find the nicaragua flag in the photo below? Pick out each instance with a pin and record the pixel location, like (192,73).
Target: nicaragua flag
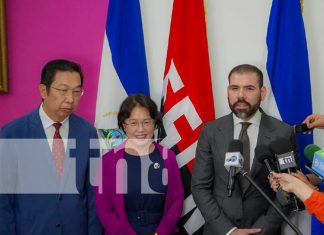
(289,75)
(287,66)
(123,66)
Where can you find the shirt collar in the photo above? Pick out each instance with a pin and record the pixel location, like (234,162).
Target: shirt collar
(47,121)
(255,120)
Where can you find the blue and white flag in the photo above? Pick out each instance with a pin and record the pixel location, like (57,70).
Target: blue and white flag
(289,75)
(123,66)
(287,66)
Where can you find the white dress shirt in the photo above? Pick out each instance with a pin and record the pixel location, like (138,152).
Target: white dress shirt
(50,129)
(253,132)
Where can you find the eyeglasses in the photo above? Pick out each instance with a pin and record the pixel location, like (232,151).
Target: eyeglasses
(76,92)
(145,124)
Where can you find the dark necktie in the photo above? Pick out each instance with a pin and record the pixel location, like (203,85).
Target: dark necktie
(246,155)
(58,150)
(246,145)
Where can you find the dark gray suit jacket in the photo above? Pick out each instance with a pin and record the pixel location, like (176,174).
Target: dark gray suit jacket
(210,178)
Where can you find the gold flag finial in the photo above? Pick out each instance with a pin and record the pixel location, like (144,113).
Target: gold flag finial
(302,5)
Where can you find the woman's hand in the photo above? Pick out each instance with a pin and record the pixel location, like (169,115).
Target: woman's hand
(290,183)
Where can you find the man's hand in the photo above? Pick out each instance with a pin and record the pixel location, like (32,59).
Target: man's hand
(246,231)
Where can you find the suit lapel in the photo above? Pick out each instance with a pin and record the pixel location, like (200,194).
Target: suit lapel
(69,161)
(36,126)
(37,132)
(226,130)
(264,138)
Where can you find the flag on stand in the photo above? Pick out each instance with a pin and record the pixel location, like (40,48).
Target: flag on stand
(123,66)
(187,100)
(287,65)
(288,68)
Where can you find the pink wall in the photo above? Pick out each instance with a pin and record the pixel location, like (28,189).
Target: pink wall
(41,30)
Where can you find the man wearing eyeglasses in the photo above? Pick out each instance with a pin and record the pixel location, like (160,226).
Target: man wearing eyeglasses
(45,162)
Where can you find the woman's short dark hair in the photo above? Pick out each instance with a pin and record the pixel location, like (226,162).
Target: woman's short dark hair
(53,66)
(138,100)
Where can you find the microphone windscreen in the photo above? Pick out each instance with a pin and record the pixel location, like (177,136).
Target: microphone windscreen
(262,153)
(235,146)
(280,146)
(309,151)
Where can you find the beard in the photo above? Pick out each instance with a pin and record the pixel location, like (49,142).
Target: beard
(244,113)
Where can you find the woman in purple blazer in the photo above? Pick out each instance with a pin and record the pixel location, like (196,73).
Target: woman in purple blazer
(140,190)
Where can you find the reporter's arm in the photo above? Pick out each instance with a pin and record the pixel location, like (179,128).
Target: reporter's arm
(294,185)
(313,200)
(302,191)
(315,205)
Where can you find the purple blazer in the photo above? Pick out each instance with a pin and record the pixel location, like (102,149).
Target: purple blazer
(110,201)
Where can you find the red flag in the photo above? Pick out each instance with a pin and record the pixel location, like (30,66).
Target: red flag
(187,100)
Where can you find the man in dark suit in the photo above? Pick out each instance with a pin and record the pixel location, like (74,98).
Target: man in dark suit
(246,211)
(45,162)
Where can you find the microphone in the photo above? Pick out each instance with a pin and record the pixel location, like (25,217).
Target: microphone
(316,155)
(286,162)
(233,162)
(284,154)
(263,155)
(309,151)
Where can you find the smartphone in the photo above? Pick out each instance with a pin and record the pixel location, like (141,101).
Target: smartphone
(302,128)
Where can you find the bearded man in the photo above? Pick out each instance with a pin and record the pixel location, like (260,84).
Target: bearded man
(246,211)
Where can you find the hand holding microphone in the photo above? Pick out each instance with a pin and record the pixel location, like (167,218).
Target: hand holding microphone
(234,159)
(275,183)
(284,157)
(278,156)
(315,121)
(312,121)
(293,184)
